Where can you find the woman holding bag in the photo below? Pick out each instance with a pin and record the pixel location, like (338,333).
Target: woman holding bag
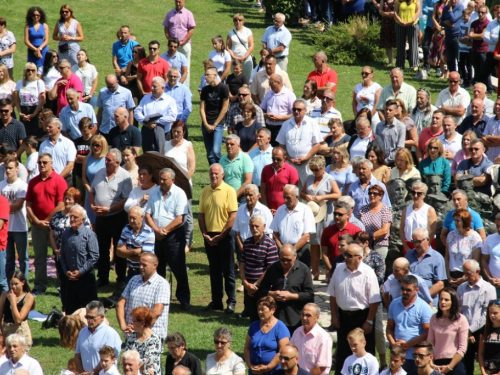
(240,44)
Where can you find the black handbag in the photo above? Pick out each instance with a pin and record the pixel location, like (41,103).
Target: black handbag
(64,47)
(254,60)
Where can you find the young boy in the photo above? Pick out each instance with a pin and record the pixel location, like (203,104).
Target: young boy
(360,362)
(30,145)
(397,356)
(108,359)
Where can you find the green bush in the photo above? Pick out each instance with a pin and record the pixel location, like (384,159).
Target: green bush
(290,8)
(351,43)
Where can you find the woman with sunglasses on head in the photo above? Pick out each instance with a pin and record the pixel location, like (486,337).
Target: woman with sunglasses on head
(422,113)
(49,72)
(417,215)
(240,44)
(29,97)
(224,360)
(36,35)
(88,75)
(366,94)
(435,163)
(449,333)
(69,33)
(488,354)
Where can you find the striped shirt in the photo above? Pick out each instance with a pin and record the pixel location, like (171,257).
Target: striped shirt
(258,257)
(145,239)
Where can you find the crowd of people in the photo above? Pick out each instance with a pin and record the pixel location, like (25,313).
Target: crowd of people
(296,185)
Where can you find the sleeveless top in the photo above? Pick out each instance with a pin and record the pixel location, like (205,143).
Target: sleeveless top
(407,11)
(7,313)
(179,153)
(415,219)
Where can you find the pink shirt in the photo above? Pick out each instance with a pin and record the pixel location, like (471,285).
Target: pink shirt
(315,348)
(448,337)
(179,23)
(74,82)
(425,136)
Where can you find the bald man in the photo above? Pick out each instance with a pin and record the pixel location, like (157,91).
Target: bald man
(110,98)
(392,286)
(124,134)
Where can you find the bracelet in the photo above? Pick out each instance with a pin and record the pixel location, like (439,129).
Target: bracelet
(449,368)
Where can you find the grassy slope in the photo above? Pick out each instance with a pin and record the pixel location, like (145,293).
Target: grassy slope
(100,20)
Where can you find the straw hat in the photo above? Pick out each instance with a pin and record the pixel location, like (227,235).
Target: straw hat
(318,210)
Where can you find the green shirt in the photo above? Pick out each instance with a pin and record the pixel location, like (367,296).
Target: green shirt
(234,171)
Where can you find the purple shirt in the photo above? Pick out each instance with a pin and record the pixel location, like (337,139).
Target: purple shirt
(278,104)
(179,23)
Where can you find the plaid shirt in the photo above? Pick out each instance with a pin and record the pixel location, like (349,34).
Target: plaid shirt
(139,293)
(234,115)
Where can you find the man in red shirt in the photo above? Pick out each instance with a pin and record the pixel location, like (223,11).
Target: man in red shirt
(331,234)
(433,131)
(63,84)
(4,227)
(325,77)
(274,178)
(150,67)
(45,197)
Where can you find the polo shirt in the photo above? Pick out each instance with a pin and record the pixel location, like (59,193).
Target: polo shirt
(216,204)
(5,216)
(330,237)
(409,320)
(447,99)
(277,38)
(449,223)
(275,181)
(45,194)
(183,98)
(12,133)
(329,76)
(108,102)
(360,196)
(478,128)
(62,151)
(425,136)
(164,210)
(74,82)
(88,344)
(291,226)
(242,221)
(280,103)
(131,136)
(315,348)
(476,170)
(479,46)
(299,140)
(149,70)
(492,128)
(258,256)
(260,82)
(178,60)
(124,52)
(235,170)
(25,363)
(179,23)
(322,118)
(454,145)
(70,118)
(393,287)
(108,192)
(431,267)
(492,248)
(145,240)
(406,93)
(260,159)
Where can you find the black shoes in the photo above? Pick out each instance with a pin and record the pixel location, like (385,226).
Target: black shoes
(100,283)
(213,306)
(230,308)
(185,306)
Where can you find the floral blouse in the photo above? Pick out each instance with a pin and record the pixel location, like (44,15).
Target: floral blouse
(377,264)
(460,248)
(149,350)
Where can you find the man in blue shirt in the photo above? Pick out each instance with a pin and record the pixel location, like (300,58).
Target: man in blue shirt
(71,115)
(408,320)
(176,59)
(109,100)
(427,263)
(262,154)
(122,53)
(278,38)
(477,166)
(181,94)
(452,20)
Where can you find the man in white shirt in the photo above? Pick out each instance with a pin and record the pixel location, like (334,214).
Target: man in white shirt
(454,100)
(490,257)
(452,141)
(18,358)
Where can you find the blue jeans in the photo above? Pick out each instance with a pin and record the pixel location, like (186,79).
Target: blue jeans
(17,240)
(213,142)
(325,13)
(452,51)
(3,276)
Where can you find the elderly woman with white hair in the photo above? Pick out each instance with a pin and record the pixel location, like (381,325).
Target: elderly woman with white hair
(18,358)
(417,215)
(318,190)
(224,360)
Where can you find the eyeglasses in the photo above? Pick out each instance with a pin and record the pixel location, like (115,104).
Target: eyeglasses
(417,193)
(96,145)
(65,11)
(306,315)
(62,67)
(349,255)
(220,342)
(30,70)
(338,214)
(419,356)
(43,162)
(373,193)
(314,170)
(417,242)
(433,148)
(474,149)
(294,109)
(481,12)
(4,110)
(452,81)
(285,358)
(91,317)
(36,15)
(327,98)
(277,159)
(243,95)
(365,73)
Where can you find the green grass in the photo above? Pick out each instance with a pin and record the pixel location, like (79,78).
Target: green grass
(100,20)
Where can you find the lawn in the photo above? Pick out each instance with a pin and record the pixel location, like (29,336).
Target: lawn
(100,20)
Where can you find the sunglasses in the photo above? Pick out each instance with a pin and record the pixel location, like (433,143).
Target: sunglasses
(65,11)
(417,193)
(43,162)
(327,98)
(372,193)
(96,145)
(174,77)
(408,290)
(277,159)
(36,15)
(417,242)
(244,95)
(153,49)
(474,149)
(31,70)
(314,170)
(365,73)
(298,109)
(90,317)
(220,342)
(452,81)
(285,358)
(419,356)
(338,214)
(433,148)
(494,302)
(349,255)
(4,110)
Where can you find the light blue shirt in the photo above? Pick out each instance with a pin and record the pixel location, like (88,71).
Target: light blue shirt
(277,38)
(108,102)
(88,344)
(178,60)
(360,196)
(393,287)
(260,159)
(164,210)
(165,105)
(124,52)
(70,118)
(183,98)
(491,35)
(409,321)
(63,151)
(449,223)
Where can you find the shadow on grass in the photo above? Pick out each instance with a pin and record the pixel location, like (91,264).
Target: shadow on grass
(50,342)
(198,268)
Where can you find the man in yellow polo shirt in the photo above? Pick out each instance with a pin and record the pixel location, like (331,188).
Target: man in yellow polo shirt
(218,207)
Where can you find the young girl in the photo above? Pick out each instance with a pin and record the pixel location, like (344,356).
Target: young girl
(15,304)
(129,154)
(489,342)
(88,74)
(220,57)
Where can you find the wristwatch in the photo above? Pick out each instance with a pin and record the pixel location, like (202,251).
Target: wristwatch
(370,322)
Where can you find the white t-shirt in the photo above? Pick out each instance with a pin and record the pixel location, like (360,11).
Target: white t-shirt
(232,365)
(32,166)
(239,49)
(135,195)
(50,79)
(491,247)
(365,96)
(87,76)
(29,94)
(219,59)
(13,192)
(367,364)
(112,371)
(359,146)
